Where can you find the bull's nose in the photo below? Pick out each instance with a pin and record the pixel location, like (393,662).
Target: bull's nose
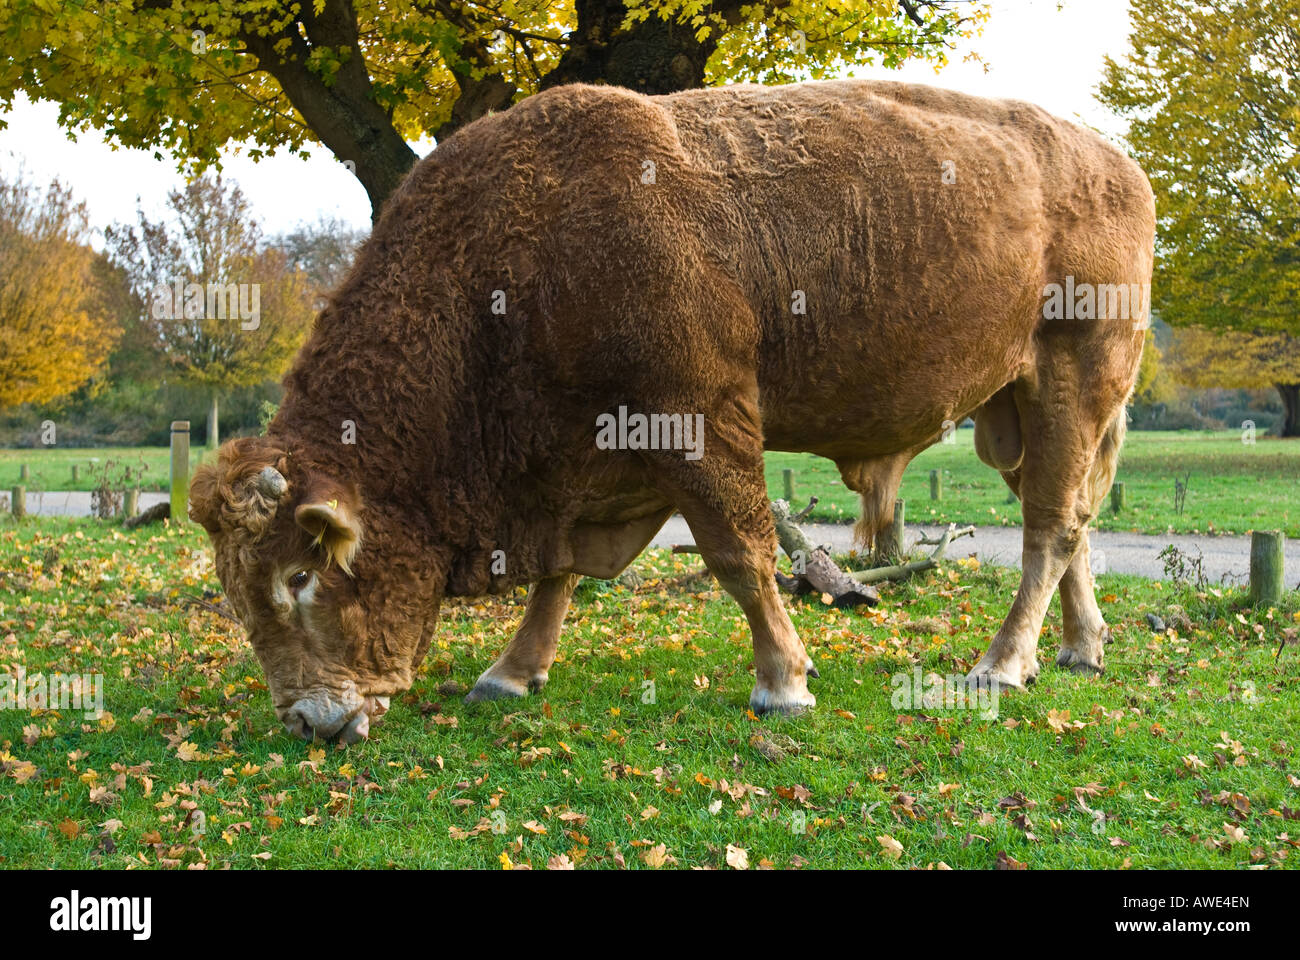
(317,718)
(297,725)
(356,729)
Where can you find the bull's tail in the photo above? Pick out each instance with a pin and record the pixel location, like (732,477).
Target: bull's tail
(1106,462)
(876,482)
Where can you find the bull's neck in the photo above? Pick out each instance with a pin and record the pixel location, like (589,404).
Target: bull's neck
(423,418)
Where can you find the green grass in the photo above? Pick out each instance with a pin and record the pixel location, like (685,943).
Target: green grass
(50,468)
(1234,487)
(1183,735)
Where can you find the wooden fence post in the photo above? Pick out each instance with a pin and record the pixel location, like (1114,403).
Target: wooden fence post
(787,481)
(131,502)
(180,471)
(1117,496)
(18,502)
(23,475)
(936,485)
(1267,558)
(76,473)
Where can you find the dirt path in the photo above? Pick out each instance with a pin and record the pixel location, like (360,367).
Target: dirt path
(1223,558)
(76,503)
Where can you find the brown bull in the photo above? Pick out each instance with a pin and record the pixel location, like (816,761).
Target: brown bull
(841,268)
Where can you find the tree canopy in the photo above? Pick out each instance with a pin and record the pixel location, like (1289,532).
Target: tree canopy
(1212,93)
(187,78)
(222,307)
(56,320)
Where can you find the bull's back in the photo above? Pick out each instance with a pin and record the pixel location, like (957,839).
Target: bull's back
(893,242)
(871,255)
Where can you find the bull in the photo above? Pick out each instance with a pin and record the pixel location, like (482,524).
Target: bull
(840,268)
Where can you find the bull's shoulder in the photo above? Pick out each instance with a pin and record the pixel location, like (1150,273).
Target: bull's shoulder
(581,119)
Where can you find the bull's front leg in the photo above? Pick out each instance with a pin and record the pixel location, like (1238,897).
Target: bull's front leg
(740,551)
(526,662)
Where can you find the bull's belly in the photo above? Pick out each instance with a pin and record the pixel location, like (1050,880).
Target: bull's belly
(865,418)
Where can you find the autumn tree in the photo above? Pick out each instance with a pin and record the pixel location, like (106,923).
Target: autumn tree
(1212,95)
(1242,358)
(224,308)
(323,250)
(56,326)
(364,77)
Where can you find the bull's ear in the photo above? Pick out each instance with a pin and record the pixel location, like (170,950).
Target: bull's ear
(204,498)
(333,526)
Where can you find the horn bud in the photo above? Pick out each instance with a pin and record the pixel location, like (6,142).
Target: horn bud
(271,483)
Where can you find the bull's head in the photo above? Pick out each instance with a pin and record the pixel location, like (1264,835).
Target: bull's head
(336,628)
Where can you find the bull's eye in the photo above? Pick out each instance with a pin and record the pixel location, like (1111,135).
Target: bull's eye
(299,580)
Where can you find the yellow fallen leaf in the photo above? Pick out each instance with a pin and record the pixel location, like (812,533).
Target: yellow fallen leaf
(890,848)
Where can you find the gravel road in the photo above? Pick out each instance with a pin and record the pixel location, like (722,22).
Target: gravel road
(1223,558)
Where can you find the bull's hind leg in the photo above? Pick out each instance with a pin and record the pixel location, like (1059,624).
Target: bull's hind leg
(525,665)
(1071,441)
(1083,627)
(1084,630)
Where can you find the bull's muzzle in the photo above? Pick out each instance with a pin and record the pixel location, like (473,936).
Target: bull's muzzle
(345,718)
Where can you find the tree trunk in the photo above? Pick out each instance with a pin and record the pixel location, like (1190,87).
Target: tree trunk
(214,433)
(1291,402)
(653,56)
(343,112)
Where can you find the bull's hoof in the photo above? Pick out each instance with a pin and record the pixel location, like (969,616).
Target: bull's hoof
(993,680)
(792,701)
(494,688)
(1001,676)
(1079,661)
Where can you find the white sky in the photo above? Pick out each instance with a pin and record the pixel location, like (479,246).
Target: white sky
(1047,51)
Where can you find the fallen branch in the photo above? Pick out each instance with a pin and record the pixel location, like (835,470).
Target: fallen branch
(901,571)
(813,568)
(812,502)
(155,514)
(963,532)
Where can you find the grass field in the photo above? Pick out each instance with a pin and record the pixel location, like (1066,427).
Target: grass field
(1182,755)
(50,468)
(1233,487)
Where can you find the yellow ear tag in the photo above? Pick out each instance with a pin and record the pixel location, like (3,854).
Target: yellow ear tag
(333,504)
